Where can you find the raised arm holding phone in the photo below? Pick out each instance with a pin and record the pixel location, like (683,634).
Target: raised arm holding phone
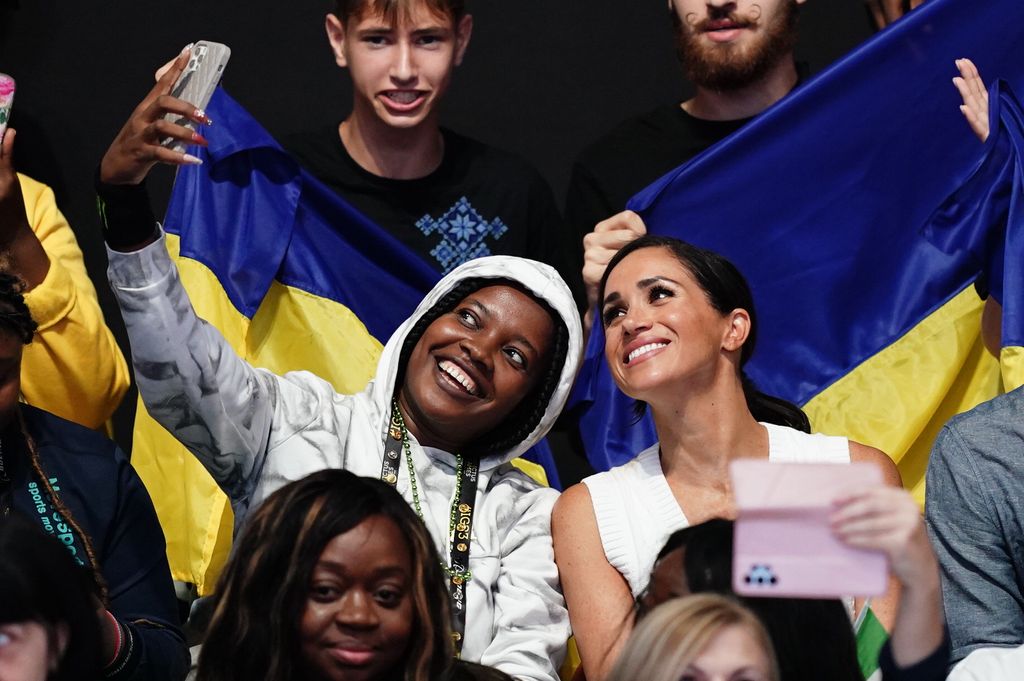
(475,377)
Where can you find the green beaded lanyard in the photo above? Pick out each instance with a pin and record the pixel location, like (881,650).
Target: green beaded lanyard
(460,518)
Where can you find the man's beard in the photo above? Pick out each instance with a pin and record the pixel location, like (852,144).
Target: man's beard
(729,67)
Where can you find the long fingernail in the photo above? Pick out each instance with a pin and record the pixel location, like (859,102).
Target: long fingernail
(192,160)
(198,139)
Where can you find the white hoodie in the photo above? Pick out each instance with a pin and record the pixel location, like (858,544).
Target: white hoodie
(256,431)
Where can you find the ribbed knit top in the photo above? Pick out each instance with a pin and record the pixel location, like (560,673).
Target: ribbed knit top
(636,511)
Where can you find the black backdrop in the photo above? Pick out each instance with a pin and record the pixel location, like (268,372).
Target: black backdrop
(542,78)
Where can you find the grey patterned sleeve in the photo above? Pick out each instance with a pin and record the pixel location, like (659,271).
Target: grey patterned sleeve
(531,623)
(981,591)
(192,382)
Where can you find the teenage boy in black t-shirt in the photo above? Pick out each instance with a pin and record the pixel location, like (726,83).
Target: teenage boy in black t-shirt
(445,196)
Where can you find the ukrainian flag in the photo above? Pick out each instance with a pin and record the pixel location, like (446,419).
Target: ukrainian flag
(294,278)
(863,211)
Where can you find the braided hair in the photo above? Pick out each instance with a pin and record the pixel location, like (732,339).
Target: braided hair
(16,320)
(524,418)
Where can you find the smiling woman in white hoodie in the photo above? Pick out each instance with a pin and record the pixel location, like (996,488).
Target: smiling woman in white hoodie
(472,379)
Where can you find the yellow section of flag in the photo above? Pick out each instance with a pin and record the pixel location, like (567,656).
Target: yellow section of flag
(292,330)
(899,399)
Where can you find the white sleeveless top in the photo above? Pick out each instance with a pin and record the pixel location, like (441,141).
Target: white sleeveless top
(636,511)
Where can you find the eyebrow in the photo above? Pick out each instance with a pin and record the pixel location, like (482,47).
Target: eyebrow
(480,307)
(642,284)
(484,311)
(651,281)
(439,28)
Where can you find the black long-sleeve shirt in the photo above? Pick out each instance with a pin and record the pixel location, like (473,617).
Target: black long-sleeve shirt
(101,490)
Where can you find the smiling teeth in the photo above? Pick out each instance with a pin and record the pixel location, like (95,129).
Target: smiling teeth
(643,349)
(453,370)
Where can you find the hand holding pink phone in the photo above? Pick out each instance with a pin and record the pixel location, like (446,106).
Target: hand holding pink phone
(784,541)
(887,519)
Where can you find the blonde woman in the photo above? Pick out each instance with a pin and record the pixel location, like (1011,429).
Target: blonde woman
(698,638)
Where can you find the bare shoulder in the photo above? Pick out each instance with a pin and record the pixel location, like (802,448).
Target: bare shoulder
(573,507)
(861,452)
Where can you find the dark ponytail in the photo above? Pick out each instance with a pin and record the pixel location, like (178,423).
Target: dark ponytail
(726,290)
(775,410)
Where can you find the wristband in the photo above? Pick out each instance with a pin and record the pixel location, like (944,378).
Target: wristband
(120,639)
(125,212)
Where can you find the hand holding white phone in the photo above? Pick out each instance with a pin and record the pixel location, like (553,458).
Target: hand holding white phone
(196,84)
(160,121)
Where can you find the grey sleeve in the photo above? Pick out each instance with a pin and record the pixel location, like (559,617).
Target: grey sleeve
(191,380)
(531,623)
(980,590)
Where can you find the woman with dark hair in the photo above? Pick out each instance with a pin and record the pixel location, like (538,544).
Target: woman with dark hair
(472,379)
(48,625)
(813,638)
(333,577)
(78,487)
(679,325)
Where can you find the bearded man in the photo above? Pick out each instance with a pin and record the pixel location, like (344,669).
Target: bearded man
(739,55)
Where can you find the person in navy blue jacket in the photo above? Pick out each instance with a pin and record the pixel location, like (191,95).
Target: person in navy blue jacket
(81,489)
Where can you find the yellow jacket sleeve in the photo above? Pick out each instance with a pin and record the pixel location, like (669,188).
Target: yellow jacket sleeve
(73,367)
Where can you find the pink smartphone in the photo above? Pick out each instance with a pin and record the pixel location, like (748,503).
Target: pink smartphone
(783,543)
(6,101)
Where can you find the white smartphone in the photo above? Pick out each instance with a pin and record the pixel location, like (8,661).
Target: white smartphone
(6,101)
(206,63)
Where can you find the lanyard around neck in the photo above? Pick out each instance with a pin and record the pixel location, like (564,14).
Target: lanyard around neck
(460,517)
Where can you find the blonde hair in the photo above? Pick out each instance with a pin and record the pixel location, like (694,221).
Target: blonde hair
(677,631)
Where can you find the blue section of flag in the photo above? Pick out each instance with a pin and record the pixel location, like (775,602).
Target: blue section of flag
(855,207)
(252,215)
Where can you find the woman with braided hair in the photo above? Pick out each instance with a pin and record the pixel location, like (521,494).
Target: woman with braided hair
(79,488)
(471,380)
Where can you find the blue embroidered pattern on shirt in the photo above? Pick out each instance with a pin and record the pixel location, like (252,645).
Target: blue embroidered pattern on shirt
(464,231)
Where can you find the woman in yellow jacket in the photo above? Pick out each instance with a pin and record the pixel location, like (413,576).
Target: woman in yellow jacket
(73,367)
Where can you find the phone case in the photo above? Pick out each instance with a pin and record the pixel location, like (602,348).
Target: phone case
(783,543)
(206,64)
(6,101)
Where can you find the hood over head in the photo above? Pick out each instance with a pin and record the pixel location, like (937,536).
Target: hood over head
(543,282)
